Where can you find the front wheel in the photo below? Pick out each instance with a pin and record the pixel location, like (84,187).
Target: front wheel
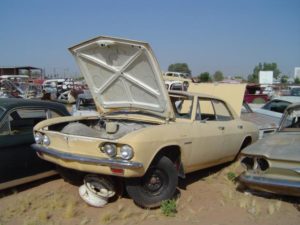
(158,184)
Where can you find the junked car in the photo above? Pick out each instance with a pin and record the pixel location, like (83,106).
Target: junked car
(273,163)
(275,108)
(19,163)
(142,135)
(172,85)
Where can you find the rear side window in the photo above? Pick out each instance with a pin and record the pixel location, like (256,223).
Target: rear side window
(222,112)
(292,121)
(205,110)
(212,109)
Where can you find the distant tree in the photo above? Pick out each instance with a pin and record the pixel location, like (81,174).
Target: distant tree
(79,78)
(253,78)
(239,77)
(204,77)
(179,67)
(284,79)
(218,76)
(297,80)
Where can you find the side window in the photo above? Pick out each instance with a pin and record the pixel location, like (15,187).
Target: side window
(291,121)
(205,110)
(51,114)
(222,111)
(23,120)
(31,113)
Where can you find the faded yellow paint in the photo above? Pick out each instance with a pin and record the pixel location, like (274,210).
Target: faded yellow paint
(195,139)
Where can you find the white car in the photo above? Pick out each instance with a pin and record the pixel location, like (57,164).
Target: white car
(275,107)
(176,85)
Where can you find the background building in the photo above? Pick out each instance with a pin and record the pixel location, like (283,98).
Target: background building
(297,72)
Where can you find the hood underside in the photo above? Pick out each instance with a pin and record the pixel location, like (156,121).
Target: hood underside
(123,75)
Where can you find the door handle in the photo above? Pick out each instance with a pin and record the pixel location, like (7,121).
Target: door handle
(221,128)
(240,126)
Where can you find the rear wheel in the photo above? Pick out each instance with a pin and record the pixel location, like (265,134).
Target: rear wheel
(159,183)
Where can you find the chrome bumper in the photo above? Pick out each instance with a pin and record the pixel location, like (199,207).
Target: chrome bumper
(278,186)
(115,163)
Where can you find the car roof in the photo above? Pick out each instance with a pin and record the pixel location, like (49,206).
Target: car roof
(10,103)
(195,94)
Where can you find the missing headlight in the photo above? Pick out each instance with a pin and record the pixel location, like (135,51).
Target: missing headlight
(263,164)
(248,163)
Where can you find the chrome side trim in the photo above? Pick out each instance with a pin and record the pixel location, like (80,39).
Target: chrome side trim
(273,185)
(115,163)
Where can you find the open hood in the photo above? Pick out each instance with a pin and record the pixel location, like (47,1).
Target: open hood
(123,75)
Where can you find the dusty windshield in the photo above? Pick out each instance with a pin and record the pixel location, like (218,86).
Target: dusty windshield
(291,121)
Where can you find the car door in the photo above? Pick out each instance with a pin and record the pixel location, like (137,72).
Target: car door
(207,136)
(232,130)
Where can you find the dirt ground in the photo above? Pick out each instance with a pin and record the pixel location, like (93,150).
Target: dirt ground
(205,197)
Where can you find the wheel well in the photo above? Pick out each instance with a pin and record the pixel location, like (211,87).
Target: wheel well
(172,152)
(247,141)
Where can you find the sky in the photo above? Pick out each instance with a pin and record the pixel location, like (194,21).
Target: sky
(232,36)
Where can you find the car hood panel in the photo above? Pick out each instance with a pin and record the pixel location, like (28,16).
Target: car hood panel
(281,146)
(123,75)
(261,120)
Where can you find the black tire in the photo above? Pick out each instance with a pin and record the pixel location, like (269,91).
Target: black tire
(158,184)
(73,177)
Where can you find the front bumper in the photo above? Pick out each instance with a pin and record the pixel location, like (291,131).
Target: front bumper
(113,163)
(278,186)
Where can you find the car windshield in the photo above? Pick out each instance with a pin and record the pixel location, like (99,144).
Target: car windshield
(291,121)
